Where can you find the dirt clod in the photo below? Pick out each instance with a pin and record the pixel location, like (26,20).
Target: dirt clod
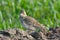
(17,34)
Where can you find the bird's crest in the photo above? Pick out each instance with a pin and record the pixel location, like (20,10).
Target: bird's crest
(23,12)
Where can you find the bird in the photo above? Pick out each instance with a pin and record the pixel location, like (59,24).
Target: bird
(30,23)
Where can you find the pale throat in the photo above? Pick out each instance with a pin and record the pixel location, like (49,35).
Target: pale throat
(23,14)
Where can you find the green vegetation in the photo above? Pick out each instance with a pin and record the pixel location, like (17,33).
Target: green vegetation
(46,12)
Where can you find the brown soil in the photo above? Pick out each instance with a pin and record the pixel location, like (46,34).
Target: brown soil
(17,34)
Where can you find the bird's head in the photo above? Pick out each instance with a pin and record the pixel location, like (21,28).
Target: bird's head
(23,13)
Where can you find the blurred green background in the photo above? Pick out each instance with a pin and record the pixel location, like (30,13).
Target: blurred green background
(46,12)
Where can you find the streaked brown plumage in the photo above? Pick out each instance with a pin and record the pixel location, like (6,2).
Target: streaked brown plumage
(30,23)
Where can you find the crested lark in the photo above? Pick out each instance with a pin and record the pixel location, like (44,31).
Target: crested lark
(30,23)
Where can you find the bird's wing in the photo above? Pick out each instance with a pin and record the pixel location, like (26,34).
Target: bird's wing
(31,21)
(28,20)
